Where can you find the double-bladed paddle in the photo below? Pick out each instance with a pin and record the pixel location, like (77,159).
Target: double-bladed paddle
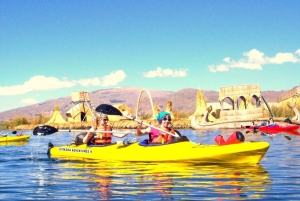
(48,130)
(111,110)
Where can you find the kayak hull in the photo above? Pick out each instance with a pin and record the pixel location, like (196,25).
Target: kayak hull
(273,127)
(278,128)
(14,138)
(248,152)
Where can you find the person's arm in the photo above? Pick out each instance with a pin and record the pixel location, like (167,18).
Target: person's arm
(140,131)
(89,135)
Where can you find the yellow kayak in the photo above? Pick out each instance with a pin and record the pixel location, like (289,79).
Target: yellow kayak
(247,152)
(10,138)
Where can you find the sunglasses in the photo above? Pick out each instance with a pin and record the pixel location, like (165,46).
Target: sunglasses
(102,119)
(165,119)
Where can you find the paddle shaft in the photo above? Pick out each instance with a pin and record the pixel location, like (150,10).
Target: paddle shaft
(267,106)
(115,133)
(152,126)
(92,131)
(111,110)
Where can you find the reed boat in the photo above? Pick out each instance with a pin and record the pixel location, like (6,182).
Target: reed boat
(220,124)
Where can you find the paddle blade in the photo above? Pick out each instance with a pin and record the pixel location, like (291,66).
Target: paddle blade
(44,130)
(108,109)
(14,132)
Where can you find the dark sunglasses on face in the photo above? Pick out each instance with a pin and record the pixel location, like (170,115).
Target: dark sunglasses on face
(102,119)
(165,119)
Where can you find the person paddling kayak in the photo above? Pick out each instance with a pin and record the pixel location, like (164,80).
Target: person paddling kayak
(157,136)
(100,138)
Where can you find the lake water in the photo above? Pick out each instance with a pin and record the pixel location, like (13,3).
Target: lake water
(27,173)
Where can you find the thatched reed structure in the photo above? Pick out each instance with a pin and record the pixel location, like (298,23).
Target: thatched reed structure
(169,109)
(56,117)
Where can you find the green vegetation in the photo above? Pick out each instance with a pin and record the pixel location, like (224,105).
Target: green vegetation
(177,115)
(284,111)
(181,115)
(21,120)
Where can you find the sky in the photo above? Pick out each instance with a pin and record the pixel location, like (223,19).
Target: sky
(49,49)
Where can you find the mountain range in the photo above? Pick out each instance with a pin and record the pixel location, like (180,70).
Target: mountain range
(183,100)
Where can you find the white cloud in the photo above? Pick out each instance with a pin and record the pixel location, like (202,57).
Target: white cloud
(159,72)
(221,68)
(254,59)
(42,83)
(114,78)
(36,83)
(281,58)
(29,101)
(90,82)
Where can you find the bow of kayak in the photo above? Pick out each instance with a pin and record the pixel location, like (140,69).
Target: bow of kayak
(248,152)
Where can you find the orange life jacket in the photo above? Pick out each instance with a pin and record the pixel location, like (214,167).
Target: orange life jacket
(103,138)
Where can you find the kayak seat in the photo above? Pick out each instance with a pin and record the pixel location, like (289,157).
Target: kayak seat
(147,143)
(79,138)
(100,145)
(263,123)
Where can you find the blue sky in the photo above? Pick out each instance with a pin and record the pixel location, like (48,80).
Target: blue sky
(51,48)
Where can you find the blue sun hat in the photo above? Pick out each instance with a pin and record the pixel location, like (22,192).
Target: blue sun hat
(161,115)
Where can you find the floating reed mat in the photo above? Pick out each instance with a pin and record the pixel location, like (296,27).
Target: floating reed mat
(123,124)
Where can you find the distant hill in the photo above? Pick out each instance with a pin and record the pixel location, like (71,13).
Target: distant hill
(183,100)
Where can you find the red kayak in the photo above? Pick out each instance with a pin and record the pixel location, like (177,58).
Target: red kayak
(278,128)
(273,127)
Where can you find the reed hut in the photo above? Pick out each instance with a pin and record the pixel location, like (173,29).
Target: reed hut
(56,117)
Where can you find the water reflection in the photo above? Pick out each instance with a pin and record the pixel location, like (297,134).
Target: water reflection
(286,134)
(13,143)
(168,180)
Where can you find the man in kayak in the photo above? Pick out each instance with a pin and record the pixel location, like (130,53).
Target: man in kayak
(157,136)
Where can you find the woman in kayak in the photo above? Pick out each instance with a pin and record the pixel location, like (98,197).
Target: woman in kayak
(101,138)
(100,124)
(157,136)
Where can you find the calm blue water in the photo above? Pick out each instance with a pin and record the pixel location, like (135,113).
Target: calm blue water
(27,173)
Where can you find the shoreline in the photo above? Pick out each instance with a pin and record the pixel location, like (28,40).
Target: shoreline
(124,124)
